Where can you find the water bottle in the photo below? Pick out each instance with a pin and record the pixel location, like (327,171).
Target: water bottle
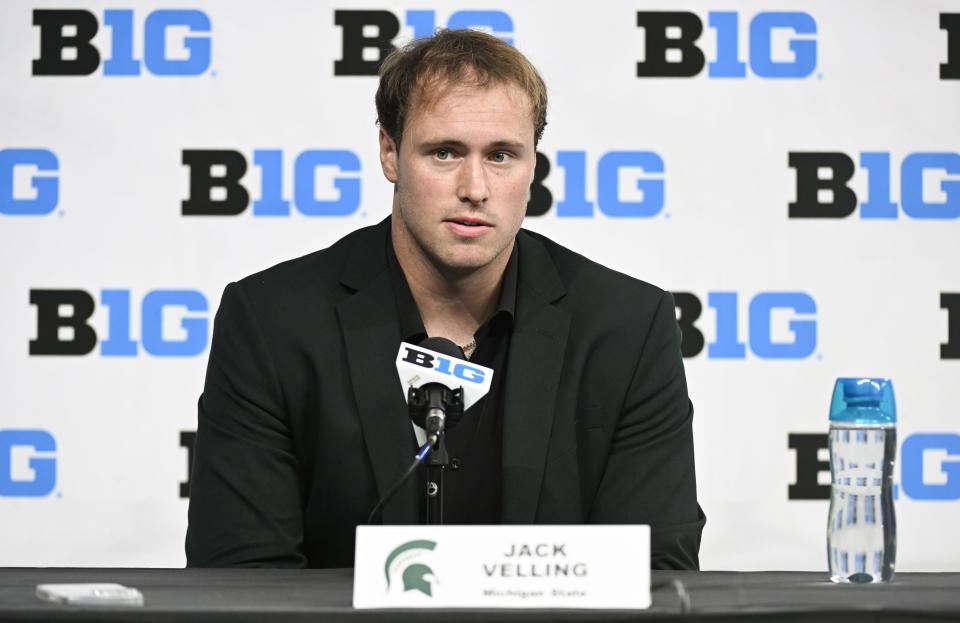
(862,530)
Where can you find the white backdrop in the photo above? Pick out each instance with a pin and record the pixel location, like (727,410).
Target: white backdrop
(109,493)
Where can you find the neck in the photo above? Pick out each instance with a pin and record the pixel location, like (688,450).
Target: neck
(452,304)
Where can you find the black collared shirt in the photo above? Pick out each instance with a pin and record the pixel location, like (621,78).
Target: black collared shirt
(472,487)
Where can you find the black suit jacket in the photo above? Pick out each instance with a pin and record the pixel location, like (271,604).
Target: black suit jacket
(302,421)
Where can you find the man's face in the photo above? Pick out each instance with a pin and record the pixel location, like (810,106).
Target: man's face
(463,173)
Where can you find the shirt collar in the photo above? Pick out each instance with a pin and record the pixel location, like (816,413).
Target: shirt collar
(411,324)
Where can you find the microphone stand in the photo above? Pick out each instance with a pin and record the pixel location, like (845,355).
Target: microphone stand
(435,404)
(438,460)
(435,408)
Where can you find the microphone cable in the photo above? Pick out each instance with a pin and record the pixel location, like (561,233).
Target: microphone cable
(417,460)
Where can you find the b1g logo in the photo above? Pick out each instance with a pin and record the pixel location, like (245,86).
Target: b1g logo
(671,50)
(444,365)
(63,327)
(28,467)
(614,195)
(950,22)
(823,191)
(215,188)
(420,367)
(41,165)
(930,466)
(368,35)
(67,49)
(798,309)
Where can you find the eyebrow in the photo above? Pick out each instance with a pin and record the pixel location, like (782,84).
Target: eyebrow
(450,142)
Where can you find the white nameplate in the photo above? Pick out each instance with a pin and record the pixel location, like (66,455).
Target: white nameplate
(603,567)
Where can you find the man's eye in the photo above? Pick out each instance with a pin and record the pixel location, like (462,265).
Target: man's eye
(500,156)
(442,154)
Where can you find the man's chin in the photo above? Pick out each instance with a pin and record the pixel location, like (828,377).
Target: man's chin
(462,264)
(462,268)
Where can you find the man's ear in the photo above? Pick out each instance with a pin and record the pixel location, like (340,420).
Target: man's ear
(389,157)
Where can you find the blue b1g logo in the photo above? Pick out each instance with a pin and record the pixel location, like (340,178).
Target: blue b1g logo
(445,365)
(63,326)
(42,166)
(41,464)
(223,170)
(644,168)
(671,49)
(931,466)
(799,308)
(368,36)
(73,30)
(823,189)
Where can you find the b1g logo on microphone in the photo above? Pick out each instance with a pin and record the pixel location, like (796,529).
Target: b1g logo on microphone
(67,48)
(28,467)
(629,184)
(216,189)
(780,44)
(173,323)
(419,366)
(368,35)
(823,190)
(29,185)
(779,325)
(929,466)
(950,22)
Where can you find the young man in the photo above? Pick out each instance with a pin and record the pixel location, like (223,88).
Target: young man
(302,423)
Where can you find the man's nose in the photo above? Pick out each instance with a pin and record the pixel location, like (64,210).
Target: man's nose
(472,182)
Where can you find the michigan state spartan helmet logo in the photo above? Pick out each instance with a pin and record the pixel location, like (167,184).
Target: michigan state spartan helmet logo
(404,563)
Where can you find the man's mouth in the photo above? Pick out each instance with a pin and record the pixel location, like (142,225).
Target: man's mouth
(470,222)
(467,227)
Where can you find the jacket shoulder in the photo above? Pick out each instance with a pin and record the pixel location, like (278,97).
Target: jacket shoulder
(594,285)
(319,270)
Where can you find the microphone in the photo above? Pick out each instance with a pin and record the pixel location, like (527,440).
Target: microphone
(440,384)
(433,403)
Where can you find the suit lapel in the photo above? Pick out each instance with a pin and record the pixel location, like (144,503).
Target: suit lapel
(371,333)
(533,376)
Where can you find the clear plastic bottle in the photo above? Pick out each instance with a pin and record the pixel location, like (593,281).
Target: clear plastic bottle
(862,529)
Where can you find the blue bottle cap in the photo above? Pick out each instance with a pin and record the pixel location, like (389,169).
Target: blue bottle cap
(863,401)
